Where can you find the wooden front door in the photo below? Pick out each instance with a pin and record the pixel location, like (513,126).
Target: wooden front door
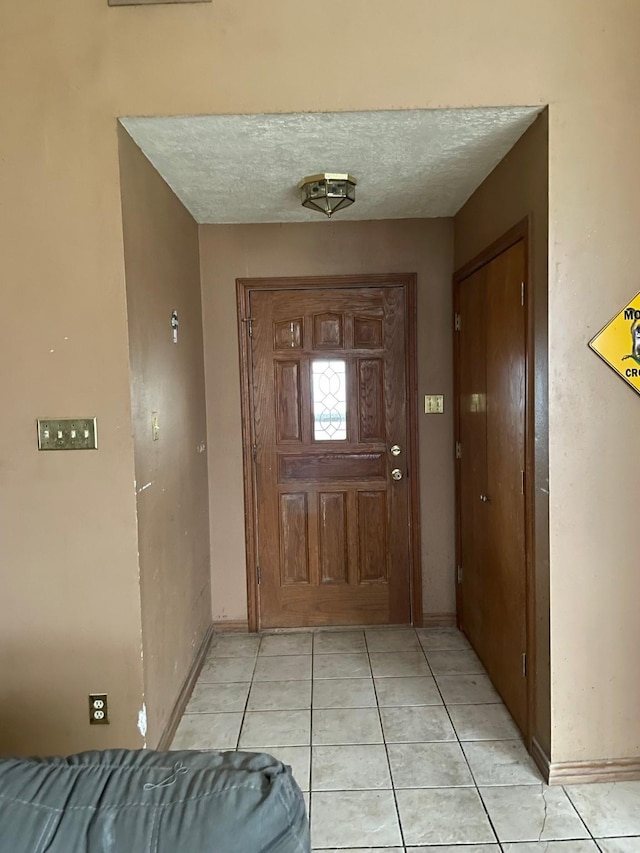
(329,409)
(491,430)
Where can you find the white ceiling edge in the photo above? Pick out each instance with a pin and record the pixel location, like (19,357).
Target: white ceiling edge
(235,169)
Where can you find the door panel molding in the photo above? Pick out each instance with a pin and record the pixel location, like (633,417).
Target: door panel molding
(331,467)
(366,337)
(520,232)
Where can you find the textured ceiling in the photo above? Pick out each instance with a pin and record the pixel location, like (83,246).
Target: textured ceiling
(408,163)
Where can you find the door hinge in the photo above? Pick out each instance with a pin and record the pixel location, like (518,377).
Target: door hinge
(524,664)
(249,322)
(458,450)
(254,450)
(457,323)
(259,574)
(522,294)
(522,481)
(459,574)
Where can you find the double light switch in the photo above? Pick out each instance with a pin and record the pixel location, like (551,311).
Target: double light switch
(434,404)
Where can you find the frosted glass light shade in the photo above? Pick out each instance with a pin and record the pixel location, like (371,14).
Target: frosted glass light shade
(327,192)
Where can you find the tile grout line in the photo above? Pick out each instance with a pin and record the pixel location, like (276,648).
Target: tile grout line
(246,704)
(582,820)
(386,747)
(459,742)
(311,712)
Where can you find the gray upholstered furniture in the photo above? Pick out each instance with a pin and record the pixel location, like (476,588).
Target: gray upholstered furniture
(119,801)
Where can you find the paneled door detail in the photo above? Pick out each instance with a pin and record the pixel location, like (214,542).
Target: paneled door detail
(329,399)
(491,386)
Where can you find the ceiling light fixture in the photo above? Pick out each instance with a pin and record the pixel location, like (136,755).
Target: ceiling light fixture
(327,192)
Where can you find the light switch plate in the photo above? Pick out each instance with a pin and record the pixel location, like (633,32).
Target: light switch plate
(67,434)
(434,404)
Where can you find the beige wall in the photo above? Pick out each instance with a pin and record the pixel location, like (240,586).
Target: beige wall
(163,274)
(326,248)
(517,188)
(68,548)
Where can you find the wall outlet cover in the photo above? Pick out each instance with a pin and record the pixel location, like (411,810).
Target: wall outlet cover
(98,709)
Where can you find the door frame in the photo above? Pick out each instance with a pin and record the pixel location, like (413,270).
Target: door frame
(244,288)
(519,232)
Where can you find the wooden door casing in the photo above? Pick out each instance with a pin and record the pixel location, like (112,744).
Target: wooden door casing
(472,434)
(342,533)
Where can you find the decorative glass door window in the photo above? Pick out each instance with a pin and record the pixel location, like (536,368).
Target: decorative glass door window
(329,392)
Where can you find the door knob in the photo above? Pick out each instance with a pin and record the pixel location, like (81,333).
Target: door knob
(396,474)
(485,498)
(395,450)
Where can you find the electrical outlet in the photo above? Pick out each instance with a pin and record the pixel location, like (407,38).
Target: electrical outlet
(67,434)
(98,709)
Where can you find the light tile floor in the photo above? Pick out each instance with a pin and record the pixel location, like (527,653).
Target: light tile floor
(399,742)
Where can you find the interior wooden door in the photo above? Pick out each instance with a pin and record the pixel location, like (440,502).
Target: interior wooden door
(330,411)
(492,417)
(505,563)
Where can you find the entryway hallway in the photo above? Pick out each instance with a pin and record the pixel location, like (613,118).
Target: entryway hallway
(399,742)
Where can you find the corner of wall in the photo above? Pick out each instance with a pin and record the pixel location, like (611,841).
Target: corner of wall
(162,266)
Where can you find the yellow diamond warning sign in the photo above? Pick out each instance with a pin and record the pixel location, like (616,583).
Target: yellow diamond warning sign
(619,343)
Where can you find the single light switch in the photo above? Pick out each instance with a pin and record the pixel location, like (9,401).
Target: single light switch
(67,434)
(434,404)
